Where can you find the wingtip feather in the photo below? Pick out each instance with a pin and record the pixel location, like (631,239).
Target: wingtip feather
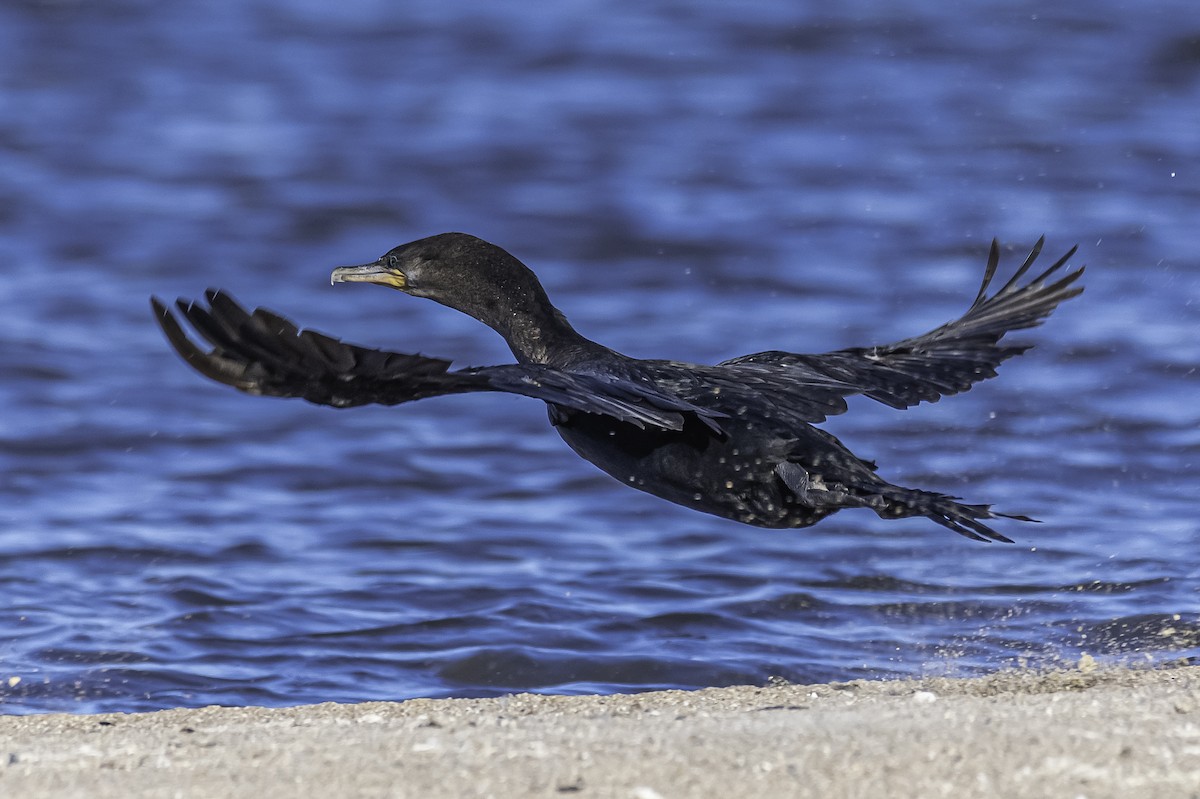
(989,272)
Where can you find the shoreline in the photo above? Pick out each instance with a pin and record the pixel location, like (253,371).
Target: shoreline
(1092,732)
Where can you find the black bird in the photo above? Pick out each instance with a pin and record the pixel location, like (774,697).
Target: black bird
(736,440)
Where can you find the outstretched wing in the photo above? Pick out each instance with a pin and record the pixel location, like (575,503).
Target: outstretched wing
(942,362)
(262,353)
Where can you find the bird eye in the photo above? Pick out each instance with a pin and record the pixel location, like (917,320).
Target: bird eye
(392,260)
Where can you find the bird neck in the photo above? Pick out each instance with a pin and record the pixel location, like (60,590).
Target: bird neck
(546,337)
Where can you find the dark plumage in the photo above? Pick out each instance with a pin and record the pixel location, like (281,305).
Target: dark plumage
(736,439)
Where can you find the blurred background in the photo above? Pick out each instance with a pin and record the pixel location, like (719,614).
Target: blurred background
(690,180)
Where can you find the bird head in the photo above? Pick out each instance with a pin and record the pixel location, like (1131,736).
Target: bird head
(457,270)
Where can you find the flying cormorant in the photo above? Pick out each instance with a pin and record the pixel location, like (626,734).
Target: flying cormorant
(736,439)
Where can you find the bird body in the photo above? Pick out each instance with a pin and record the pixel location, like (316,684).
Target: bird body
(736,439)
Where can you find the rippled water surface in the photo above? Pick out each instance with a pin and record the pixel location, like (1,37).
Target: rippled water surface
(691,180)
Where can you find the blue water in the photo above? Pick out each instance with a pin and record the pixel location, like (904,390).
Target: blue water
(691,180)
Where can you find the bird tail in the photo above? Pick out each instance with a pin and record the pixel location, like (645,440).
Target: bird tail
(964,519)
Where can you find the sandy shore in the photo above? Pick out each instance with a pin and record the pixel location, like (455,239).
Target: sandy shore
(1105,733)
